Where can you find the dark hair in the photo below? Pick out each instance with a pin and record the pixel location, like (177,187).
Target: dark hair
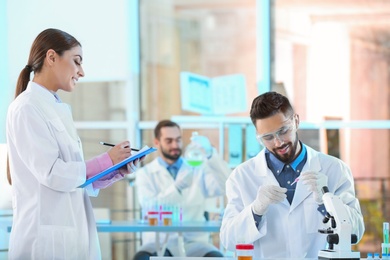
(8,172)
(54,39)
(161,124)
(269,104)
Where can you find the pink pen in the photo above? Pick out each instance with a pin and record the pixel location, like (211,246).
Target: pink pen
(295,181)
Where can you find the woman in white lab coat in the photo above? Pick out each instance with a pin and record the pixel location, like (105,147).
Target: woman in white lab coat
(258,211)
(52,218)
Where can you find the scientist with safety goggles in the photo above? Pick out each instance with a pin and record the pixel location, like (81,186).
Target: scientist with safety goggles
(274,200)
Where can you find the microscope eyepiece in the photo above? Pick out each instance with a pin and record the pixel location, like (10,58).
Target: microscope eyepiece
(326,218)
(325,189)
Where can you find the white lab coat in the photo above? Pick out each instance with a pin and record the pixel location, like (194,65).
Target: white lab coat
(154,182)
(285,231)
(52,218)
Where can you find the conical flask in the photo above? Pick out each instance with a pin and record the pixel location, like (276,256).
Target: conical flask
(195,154)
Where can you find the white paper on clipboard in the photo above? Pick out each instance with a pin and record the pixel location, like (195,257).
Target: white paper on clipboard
(143,152)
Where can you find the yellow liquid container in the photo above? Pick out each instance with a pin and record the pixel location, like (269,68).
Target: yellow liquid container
(244,251)
(166,218)
(153,218)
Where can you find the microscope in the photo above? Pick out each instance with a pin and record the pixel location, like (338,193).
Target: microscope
(339,236)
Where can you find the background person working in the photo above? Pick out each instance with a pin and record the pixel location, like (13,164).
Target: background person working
(52,218)
(170,178)
(263,208)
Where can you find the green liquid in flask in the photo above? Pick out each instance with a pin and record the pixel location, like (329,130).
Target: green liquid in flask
(194,163)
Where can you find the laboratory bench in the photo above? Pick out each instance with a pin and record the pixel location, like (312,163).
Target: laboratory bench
(143,226)
(223,258)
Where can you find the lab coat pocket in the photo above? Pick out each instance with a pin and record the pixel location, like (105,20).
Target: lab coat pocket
(313,220)
(57,125)
(55,208)
(56,242)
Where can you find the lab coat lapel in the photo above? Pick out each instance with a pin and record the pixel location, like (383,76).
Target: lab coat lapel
(55,109)
(64,112)
(301,192)
(263,172)
(160,171)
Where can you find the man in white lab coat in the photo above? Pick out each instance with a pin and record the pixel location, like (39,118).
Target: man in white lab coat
(170,179)
(265,207)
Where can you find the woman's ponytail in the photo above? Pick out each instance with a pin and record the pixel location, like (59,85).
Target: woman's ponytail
(8,172)
(24,78)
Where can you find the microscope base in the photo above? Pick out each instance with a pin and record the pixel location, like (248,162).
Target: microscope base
(333,255)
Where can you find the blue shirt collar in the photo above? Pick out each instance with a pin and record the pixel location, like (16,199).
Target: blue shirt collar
(300,158)
(278,165)
(176,164)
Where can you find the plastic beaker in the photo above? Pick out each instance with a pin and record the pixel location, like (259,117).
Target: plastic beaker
(167,218)
(244,251)
(153,218)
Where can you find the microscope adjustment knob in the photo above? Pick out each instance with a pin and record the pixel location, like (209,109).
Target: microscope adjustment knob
(353,239)
(333,239)
(333,222)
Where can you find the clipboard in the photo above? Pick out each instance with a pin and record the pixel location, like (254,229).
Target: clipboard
(143,152)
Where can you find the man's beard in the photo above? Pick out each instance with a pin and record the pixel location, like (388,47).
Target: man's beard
(173,157)
(288,158)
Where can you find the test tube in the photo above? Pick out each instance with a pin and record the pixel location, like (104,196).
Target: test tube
(385,248)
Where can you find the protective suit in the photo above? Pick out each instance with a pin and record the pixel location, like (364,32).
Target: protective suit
(53,219)
(285,231)
(154,182)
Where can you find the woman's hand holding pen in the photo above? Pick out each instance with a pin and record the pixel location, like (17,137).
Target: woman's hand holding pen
(122,151)
(119,152)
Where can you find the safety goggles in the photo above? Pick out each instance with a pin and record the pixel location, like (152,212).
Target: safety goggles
(283,134)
